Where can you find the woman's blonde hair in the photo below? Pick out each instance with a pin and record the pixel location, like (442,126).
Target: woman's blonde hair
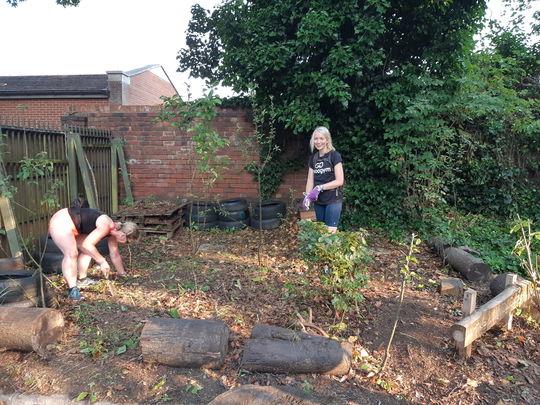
(324,132)
(131,229)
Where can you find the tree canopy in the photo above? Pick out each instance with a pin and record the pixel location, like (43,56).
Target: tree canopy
(64,3)
(412,107)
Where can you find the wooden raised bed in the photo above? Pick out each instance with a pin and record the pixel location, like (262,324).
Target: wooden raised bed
(495,311)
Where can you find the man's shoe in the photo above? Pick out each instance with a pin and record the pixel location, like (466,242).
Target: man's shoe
(75,295)
(86,282)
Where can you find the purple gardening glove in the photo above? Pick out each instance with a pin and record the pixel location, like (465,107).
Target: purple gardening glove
(314,194)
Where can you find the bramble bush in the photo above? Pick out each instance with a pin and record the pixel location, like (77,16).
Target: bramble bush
(344,255)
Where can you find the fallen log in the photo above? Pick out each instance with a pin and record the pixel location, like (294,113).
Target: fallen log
(190,343)
(278,350)
(28,329)
(470,267)
(460,259)
(258,395)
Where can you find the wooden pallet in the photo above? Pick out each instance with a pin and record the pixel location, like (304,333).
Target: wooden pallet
(170,231)
(161,220)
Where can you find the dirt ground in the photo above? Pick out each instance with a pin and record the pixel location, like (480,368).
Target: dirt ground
(99,357)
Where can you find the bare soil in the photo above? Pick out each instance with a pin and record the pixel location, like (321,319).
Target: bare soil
(99,357)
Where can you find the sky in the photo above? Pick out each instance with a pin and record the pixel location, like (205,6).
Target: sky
(40,37)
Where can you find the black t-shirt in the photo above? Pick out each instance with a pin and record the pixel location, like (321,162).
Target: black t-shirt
(84,219)
(323,172)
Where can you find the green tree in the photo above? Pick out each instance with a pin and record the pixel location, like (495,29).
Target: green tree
(65,3)
(323,59)
(354,66)
(422,120)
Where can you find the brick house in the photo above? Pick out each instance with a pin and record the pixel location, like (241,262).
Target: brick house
(160,158)
(48,98)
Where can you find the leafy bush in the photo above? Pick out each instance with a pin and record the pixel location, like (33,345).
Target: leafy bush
(425,122)
(527,247)
(489,236)
(342,255)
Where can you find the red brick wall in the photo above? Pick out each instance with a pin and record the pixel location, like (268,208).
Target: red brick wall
(161,159)
(146,89)
(49,110)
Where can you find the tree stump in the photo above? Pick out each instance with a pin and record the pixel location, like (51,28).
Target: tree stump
(471,267)
(278,350)
(258,395)
(28,329)
(452,287)
(190,343)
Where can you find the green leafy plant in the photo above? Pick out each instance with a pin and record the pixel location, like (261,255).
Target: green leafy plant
(95,348)
(340,257)
(406,276)
(263,143)
(195,117)
(6,188)
(127,344)
(487,235)
(160,383)
(192,388)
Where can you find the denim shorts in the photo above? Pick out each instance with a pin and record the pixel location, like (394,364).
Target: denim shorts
(329,214)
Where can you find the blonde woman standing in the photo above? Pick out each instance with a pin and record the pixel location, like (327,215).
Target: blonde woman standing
(325,179)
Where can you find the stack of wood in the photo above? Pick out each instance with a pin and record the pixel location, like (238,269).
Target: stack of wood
(159,218)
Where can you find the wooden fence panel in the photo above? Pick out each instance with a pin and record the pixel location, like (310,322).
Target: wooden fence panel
(27,140)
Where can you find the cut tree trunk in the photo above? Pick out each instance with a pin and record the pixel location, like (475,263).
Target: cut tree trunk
(28,329)
(470,267)
(278,350)
(258,395)
(190,343)
(461,260)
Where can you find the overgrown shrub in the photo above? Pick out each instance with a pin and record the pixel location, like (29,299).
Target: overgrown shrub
(341,259)
(489,236)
